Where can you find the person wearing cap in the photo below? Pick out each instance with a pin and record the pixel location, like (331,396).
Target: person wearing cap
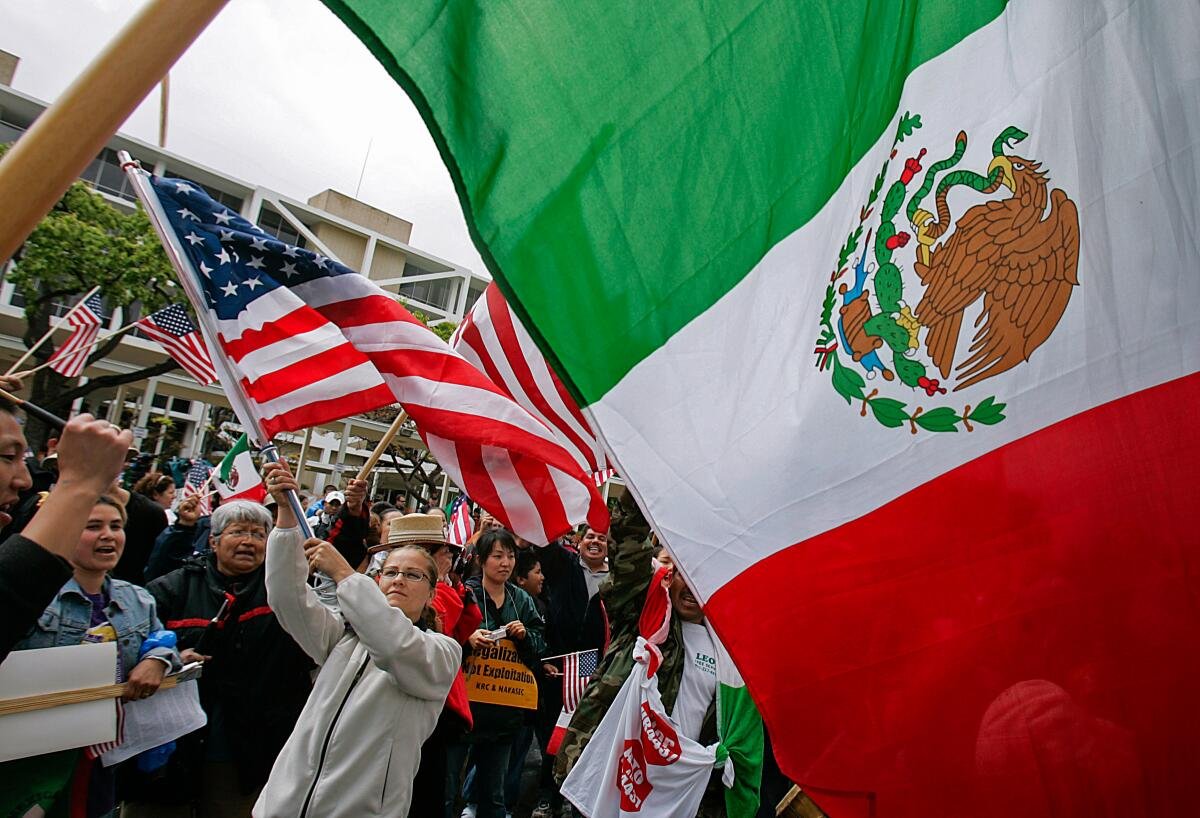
(457,616)
(323,520)
(382,682)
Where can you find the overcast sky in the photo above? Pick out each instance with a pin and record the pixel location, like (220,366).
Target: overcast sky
(275,92)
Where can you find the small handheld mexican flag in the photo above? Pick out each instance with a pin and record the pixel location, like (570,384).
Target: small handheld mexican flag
(237,477)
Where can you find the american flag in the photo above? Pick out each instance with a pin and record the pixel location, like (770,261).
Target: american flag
(603,475)
(176,333)
(493,339)
(578,670)
(461,524)
(70,358)
(308,341)
(196,482)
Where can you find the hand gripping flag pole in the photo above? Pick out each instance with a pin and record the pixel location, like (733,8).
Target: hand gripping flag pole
(187,279)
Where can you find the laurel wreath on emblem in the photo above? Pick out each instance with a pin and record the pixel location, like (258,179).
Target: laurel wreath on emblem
(1021,259)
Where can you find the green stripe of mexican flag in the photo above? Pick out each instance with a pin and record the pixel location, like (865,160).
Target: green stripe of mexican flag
(897,333)
(657,152)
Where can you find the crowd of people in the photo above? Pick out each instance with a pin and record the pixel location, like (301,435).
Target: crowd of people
(345,701)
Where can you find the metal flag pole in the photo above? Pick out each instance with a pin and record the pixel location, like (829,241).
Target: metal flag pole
(188,279)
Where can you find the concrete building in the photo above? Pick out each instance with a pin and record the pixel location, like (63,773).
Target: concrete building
(173,407)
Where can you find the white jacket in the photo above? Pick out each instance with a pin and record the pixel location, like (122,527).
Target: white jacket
(357,745)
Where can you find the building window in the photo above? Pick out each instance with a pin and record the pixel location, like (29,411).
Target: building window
(159,402)
(474,293)
(9,132)
(437,292)
(105,174)
(274,224)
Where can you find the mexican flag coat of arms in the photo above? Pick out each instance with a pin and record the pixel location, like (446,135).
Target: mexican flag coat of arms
(889,315)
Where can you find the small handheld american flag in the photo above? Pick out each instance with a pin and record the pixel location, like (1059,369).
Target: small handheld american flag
(70,358)
(461,524)
(196,482)
(176,334)
(578,670)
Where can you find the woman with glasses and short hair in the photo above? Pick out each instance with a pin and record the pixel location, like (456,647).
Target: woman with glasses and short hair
(256,678)
(385,673)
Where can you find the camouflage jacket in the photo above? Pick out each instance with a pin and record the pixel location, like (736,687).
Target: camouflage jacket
(624,593)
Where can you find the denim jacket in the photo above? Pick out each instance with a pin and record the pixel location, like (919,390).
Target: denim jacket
(131,611)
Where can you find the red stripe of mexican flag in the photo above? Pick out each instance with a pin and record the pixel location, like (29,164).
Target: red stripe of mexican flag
(900,327)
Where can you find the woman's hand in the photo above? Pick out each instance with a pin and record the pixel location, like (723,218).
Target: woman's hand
(144,679)
(480,639)
(516,629)
(322,556)
(187,656)
(280,481)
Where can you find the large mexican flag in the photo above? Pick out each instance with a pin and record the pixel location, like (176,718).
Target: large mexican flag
(895,326)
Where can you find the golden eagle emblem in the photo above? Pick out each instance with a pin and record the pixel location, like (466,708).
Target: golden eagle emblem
(1018,255)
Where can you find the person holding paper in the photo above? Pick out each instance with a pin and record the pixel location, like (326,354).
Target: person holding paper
(92,607)
(382,681)
(34,564)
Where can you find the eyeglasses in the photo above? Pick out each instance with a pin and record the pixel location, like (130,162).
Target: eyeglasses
(409,576)
(252,533)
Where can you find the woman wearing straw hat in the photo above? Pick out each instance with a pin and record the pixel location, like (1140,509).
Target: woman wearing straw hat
(457,616)
(382,681)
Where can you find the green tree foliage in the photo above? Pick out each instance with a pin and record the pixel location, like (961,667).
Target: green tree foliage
(84,242)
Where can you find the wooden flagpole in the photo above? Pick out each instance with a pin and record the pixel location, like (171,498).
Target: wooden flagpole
(381,447)
(62,322)
(70,133)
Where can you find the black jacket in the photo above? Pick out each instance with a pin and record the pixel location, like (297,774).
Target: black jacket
(30,576)
(176,545)
(258,679)
(146,520)
(566,595)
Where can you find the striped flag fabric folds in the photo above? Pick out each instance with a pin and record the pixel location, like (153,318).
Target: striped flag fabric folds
(196,482)
(578,670)
(308,340)
(461,525)
(70,358)
(176,333)
(492,338)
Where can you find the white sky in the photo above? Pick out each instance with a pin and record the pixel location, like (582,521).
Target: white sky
(275,92)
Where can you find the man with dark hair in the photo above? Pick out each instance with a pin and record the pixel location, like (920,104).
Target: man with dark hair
(33,564)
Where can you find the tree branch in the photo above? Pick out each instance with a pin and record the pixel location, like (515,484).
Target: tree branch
(105,381)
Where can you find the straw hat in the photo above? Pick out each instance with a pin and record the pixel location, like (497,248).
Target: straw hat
(416,529)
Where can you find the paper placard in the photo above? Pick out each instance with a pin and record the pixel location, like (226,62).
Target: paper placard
(495,674)
(53,670)
(163,717)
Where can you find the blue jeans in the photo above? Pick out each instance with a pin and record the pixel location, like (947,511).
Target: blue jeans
(489,754)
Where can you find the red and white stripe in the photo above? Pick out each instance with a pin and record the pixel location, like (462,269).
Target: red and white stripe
(70,358)
(603,476)
(188,349)
(461,524)
(573,686)
(495,451)
(492,339)
(295,366)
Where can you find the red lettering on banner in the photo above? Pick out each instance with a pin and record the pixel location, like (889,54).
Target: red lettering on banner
(632,780)
(659,738)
